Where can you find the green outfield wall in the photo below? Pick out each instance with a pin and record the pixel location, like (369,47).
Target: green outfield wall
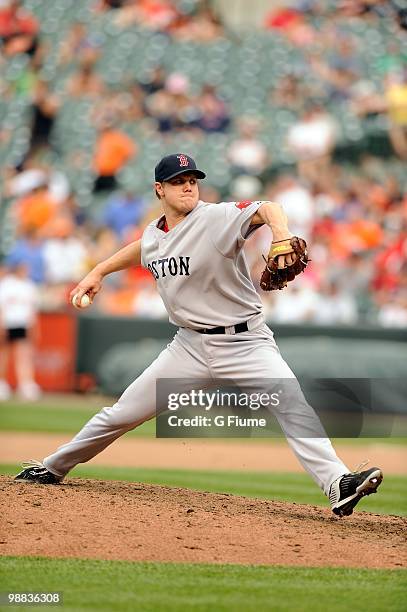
(310,350)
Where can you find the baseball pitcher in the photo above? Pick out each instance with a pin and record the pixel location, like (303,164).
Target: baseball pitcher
(195,253)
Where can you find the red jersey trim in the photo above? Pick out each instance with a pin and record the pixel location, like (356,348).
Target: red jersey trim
(162,224)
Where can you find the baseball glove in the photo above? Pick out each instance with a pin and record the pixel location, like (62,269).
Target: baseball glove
(274,277)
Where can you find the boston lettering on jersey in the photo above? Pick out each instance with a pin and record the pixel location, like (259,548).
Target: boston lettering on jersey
(173,266)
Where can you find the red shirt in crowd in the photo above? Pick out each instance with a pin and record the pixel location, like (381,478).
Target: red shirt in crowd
(16,21)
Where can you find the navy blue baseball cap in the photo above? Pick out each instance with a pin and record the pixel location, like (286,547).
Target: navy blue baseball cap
(175,164)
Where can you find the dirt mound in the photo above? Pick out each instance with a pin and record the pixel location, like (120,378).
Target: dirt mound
(139,522)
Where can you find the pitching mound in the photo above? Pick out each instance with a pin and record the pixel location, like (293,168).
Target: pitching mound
(139,522)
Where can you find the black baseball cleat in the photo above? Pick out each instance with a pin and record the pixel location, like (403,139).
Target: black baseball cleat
(35,471)
(347,490)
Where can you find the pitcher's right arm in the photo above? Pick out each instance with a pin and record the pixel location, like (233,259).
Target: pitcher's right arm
(128,256)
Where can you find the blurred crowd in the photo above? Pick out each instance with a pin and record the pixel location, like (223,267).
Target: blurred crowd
(352,214)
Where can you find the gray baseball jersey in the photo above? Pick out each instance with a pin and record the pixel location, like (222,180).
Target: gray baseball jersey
(203,278)
(200,267)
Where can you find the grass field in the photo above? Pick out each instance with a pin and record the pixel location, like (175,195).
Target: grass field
(119,585)
(296,488)
(59,414)
(56,417)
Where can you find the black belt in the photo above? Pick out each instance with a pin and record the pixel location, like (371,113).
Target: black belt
(238,329)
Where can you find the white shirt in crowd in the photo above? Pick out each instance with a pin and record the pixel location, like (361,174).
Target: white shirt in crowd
(65,260)
(300,303)
(335,309)
(298,205)
(313,138)
(25,182)
(296,304)
(248,154)
(19,300)
(393,315)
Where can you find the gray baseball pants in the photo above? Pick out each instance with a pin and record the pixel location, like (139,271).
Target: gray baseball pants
(251,355)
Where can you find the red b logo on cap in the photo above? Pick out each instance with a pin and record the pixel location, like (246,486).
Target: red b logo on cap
(183,161)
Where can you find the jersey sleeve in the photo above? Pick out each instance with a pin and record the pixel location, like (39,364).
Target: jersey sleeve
(145,237)
(229,225)
(142,260)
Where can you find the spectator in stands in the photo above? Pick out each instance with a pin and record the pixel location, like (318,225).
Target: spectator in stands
(29,177)
(28,249)
(214,115)
(396,99)
(124,210)
(245,187)
(19,301)
(112,152)
(157,14)
(86,83)
(154,81)
(298,204)
(185,111)
(283,18)
(65,256)
(334,307)
(393,310)
(339,67)
(354,278)
(107,5)
(174,108)
(203,26)
(18,29)
(290,92)
(365,99)
(355,235)
(159,107)
(296,304)
(26,79)
(78,42)
(35,210)
(45,106)
(153,14)
(33,175)
(389,264)
(401,16)
(118,107)
(370,8)
(312,140)
(290,22)
(247,154)
(351,214)
(129,105)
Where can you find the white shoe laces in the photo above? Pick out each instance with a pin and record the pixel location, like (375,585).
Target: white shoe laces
(33,463)
(360,466)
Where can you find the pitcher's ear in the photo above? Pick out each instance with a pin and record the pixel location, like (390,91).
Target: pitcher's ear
(159,192)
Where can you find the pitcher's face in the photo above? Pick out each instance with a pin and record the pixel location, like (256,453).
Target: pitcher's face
(180,193)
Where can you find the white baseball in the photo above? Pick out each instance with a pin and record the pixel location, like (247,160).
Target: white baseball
(84,303)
